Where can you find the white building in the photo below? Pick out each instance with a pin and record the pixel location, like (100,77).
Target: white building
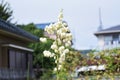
(108,38)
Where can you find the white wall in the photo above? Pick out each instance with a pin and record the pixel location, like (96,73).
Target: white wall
(101,41)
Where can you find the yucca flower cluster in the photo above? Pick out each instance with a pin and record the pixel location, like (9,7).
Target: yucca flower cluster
(62,42)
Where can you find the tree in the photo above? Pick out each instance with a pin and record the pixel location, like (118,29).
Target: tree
(32,29)
(38,58)
(5,11)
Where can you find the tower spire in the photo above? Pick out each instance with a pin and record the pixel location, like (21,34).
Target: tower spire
(100,20)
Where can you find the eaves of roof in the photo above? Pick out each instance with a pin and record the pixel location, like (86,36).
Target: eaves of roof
(114,29)
(106,32)
(17,31)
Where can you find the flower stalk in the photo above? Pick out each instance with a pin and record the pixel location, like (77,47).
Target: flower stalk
(61,44)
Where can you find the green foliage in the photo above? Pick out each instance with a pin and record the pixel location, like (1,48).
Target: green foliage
(112,58)
(64,76)
(38,54)
(47,75)
(5,11)
(72,60)
(109,58)
(32,29)
(39,47)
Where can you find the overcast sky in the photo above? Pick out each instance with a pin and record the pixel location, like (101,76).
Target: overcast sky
(82,16)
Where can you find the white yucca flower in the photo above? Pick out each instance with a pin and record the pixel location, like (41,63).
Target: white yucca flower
(65,40)
(58,25)
(60,16)
(47,53)
(62,56)
(46,28)
(50,31)
(56,50)
(55,69)
(55,61)
(54,46)
(59,32)
(66,51)
(59,67)
(65,24)
(63,35)
(68,43)
(43,39)
(52,55)
(59,41)
(61,48)
(68,35)
(64,29)
(62,41)
(61,59)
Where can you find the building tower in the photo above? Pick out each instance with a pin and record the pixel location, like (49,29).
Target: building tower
(100,21)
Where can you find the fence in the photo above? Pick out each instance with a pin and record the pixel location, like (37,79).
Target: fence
(15,74)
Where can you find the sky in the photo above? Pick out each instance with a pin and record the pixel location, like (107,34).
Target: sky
(82,16)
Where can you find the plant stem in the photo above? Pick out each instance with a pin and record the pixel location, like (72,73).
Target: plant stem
(57,69)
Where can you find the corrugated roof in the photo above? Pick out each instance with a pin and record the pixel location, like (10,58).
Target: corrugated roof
(16,30)
(114,29)
(43,25)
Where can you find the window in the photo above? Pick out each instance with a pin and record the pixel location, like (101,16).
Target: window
(17,59)
(24,60)
(115,38)
(12,60)
(108,40)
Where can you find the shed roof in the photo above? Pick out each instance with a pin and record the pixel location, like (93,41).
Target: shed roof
(5,26)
